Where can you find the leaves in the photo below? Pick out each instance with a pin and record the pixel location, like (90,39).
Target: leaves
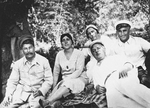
(54,17)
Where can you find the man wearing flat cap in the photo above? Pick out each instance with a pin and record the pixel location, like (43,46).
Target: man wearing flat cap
(30,79)
(133,47)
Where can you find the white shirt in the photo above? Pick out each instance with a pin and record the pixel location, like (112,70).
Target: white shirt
(107,43)
(104,39)
(134,49)
(27,78)
(107,66)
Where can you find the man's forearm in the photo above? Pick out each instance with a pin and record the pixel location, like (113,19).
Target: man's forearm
(55,82)
(128,66)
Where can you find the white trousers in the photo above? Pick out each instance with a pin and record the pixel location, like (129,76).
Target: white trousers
(127,92)
(32,102)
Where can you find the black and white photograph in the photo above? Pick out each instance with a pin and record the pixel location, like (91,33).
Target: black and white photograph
(75,53)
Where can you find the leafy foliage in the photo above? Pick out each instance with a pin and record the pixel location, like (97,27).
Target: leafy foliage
(114,10)
(50,18)
(144,5)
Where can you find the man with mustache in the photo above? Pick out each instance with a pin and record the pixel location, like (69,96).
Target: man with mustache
(30,79)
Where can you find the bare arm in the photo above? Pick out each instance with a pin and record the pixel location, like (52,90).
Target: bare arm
(123,71)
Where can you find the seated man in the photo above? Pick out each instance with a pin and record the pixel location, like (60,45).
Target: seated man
(30,79)
(118,77)
(92,33)
(133,48)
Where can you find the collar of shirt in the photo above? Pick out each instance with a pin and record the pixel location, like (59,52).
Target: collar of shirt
(35,60)
(129,41)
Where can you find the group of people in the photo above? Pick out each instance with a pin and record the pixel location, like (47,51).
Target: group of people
(113,69)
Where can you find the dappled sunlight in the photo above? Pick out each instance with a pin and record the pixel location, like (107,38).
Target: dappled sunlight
(42,46)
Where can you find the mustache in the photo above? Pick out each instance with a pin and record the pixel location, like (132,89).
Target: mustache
(29,53)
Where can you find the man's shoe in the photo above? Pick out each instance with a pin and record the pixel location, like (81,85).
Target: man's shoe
(43,103)
(48,106)
(56,104)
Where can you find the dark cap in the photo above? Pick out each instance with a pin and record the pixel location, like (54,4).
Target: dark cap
(24,38)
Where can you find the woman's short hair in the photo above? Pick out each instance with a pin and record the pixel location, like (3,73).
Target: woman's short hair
(90,26)
(68,35)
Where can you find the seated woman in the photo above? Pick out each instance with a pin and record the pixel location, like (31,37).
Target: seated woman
(70,63)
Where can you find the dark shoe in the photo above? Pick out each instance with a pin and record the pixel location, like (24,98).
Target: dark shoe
(44,103)
(56,104)
(146,81)
(48,106)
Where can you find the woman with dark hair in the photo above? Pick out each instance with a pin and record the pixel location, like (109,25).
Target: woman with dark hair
(70,63)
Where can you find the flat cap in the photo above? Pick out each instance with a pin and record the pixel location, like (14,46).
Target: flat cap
(24,38)
(123,23)
(95,42)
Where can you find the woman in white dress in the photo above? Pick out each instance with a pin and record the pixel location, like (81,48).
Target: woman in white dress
(70,63)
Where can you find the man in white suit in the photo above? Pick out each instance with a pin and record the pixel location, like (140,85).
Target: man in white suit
(30,79)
